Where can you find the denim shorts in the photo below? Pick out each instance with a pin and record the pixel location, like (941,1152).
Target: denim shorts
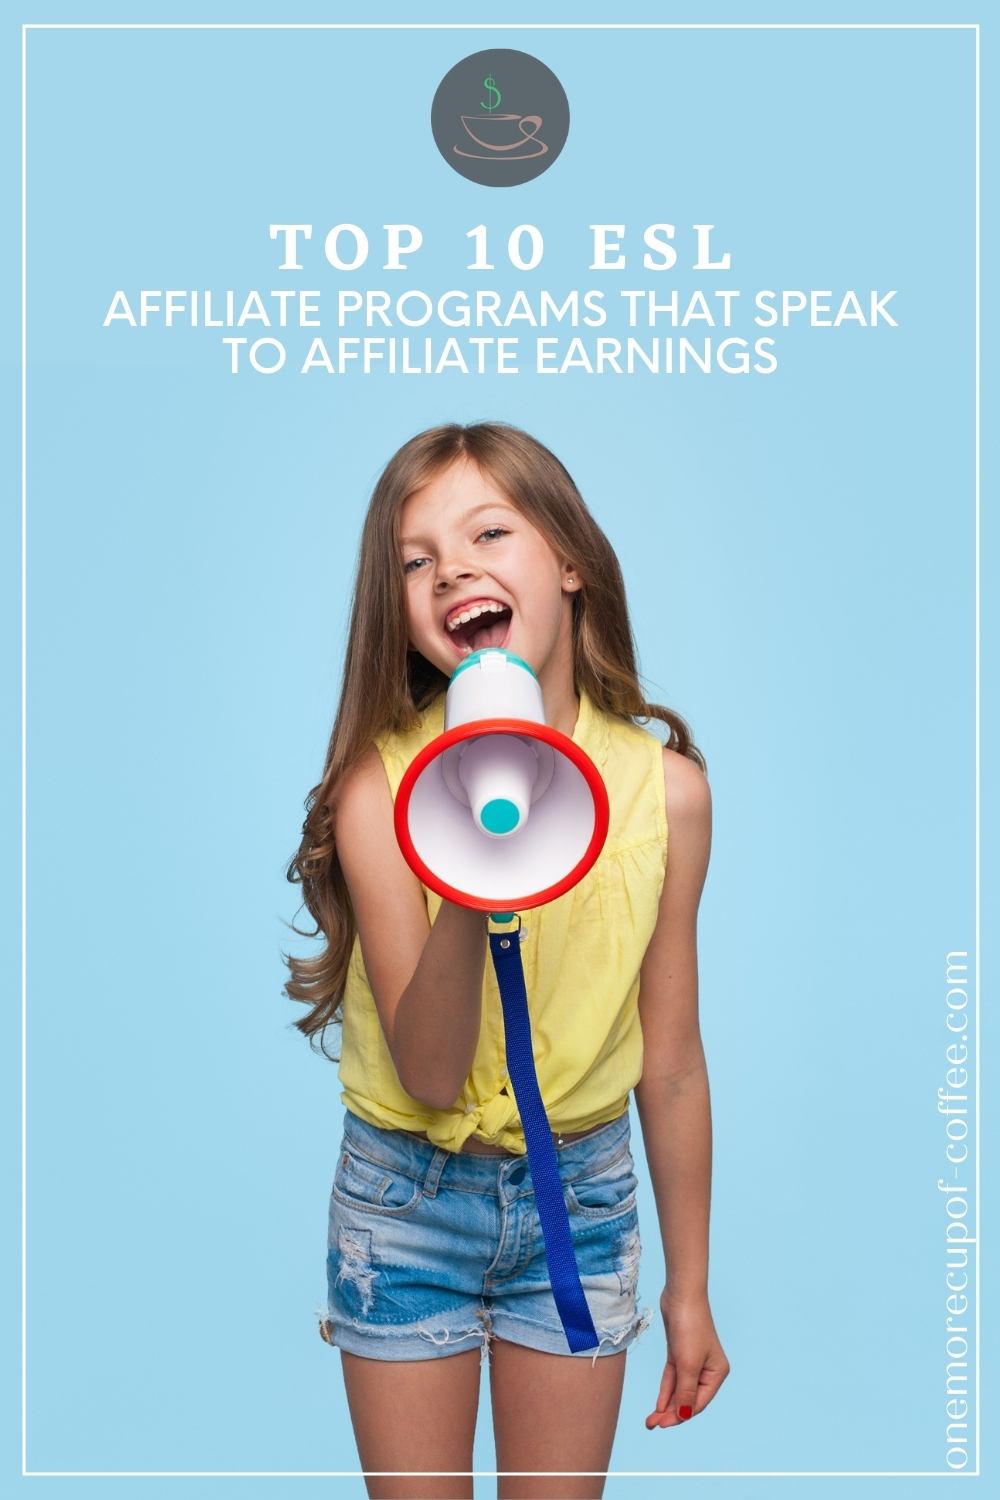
(432,1251)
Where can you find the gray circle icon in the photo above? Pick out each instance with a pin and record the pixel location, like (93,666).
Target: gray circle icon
(500,117)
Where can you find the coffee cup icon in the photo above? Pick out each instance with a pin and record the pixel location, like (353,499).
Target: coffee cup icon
(500,135)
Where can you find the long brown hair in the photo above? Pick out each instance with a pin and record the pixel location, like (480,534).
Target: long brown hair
(386,683)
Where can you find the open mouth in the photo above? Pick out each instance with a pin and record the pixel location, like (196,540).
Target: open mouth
(485,630)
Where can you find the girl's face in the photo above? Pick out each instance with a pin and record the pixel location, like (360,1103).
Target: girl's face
(465,547)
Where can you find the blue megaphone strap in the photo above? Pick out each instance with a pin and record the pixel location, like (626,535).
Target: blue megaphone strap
(564,1274)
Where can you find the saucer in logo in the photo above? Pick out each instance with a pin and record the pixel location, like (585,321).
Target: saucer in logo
(500,117)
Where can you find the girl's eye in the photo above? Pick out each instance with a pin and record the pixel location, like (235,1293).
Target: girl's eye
(491,532)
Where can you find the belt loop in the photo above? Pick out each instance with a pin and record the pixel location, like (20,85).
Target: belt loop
(433,1174)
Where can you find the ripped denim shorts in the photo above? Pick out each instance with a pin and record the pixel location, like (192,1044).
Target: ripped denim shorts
(432,1251)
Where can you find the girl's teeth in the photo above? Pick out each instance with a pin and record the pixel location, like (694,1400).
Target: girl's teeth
(473,614)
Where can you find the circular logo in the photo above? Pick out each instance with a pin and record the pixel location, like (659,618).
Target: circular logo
(500,117)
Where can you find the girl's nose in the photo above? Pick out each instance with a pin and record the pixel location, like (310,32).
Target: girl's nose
(452,572)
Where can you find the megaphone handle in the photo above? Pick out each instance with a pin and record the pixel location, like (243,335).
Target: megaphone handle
(564,1273)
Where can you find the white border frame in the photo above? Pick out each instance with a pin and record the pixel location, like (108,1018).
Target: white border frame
(27,1473)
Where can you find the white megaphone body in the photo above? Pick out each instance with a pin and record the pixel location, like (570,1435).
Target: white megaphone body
(500,812)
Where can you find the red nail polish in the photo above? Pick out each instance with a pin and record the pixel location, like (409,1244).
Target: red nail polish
(685,1412)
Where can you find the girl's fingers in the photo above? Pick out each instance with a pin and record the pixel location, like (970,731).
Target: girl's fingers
(663,1399)
(686,1399)
(692,1397)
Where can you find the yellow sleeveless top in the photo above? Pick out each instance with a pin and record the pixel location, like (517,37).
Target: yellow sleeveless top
(581,955)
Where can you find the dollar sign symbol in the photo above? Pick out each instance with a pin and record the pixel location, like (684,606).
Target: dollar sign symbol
(489,83)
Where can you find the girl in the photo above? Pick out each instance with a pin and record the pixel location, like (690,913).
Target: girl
(477,536)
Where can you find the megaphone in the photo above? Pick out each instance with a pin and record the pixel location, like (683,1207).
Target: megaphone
(501,811)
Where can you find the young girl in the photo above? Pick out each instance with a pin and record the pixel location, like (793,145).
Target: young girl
(477,536)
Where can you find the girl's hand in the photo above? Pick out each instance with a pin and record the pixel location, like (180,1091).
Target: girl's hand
(696,1362)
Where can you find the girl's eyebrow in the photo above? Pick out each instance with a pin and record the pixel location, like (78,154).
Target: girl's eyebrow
(494,505)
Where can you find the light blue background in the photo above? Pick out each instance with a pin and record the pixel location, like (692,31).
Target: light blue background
(799,552)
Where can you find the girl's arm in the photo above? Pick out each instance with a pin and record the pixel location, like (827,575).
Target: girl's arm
(672,1099)
(672,1095)
(426,981)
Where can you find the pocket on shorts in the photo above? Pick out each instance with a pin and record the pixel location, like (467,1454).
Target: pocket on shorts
(606,1192)
(370,1187)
